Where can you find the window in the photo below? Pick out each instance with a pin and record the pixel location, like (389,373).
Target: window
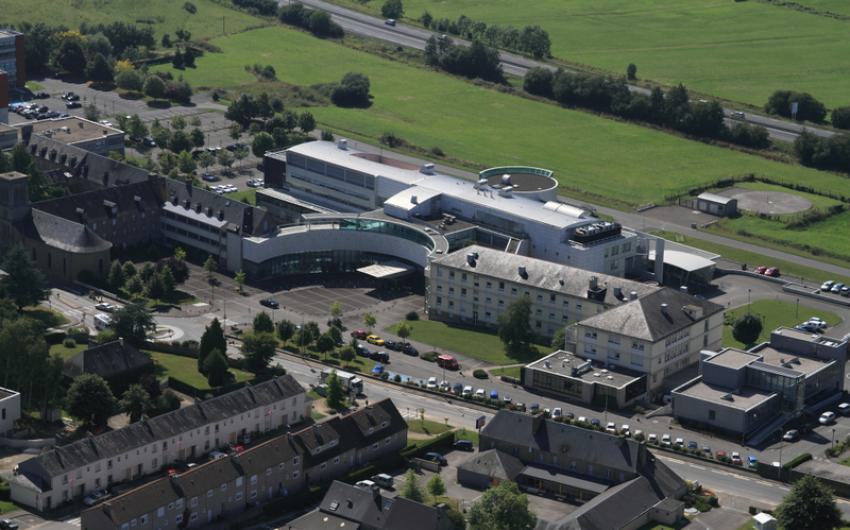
(323,466)
(336,460)
(253,480)
(280,466)
(268,471)
(501,286)
(193,516)
(209,493)
(194,502)
(295,461)
(160,511)
(224,487)
(712,414)
(179,518)
(143,519)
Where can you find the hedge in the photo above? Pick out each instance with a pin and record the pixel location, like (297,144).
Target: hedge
(441,441)
(797,460)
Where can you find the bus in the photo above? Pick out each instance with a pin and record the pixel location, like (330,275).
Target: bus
(350,382)
(448,362)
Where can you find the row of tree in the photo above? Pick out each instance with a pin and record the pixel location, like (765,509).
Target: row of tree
(257,7)
(269,122)
(158,85)
(532,40)
(672,109)
(315,21)
(832,153)
(475,61)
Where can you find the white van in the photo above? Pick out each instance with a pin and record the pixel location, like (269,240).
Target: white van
(102,321)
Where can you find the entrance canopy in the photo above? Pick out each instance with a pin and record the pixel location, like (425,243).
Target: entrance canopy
(387,271)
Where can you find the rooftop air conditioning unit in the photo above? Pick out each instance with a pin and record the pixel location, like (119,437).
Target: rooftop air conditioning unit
(342,143)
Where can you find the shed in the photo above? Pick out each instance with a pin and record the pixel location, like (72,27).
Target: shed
(764,521)
(717,204)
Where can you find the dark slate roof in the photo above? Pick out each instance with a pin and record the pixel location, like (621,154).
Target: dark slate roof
(198,480)
(97,205)
(372,510)
(613,509)
(317,520)
(61,233)
(80,163)
(61,460)
(142,500)
(524,430)
(108,360)
(241,217)
(493,463)
(644,319)
(257,459)
(5,392)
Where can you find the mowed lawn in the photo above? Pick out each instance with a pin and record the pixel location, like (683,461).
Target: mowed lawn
(740,51)
(186,370)
(479,345)
(212,19)
(775,313)
(615,162)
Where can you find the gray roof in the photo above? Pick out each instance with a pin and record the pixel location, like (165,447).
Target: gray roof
(644,318)
(108,360)
(317,520)
(257,459)
(241,217)
(613,509)
(541,274)
(80,163)
(64,459)
(61,233)
(574,442)
(197,481)
(145,499)
(494,464)
(551,475)
(97,205)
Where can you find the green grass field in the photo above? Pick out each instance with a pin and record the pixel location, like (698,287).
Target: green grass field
(739,51)
(166,16)
(6,507)
(510,371)
(476,344)
(186,370)
(601,158)
(753,259)
(66,353)
(774,313)
(428,427)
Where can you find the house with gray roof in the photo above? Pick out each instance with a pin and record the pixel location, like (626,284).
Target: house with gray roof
(71,471)
(488,468)
(113,361)
(587,466)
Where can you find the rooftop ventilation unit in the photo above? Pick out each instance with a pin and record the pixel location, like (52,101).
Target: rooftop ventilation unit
(618,293)
(633,295)
(342,143)
(664,308)
(522,272)
(506,180)
(470,258)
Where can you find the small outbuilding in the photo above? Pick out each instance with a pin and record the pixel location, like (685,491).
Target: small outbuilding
(118,362)
(764,521)
(718,205)
(488,468)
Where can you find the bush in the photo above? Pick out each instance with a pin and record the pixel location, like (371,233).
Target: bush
(78,335)
(411,315)
(352,91)
(841,117)
(430,356)
(797,460)
(69,343)
(808,108)
(480,374)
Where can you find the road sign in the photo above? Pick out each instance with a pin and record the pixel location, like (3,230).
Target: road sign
(479,422)
(794,106)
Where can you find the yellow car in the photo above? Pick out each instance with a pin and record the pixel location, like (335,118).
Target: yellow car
(374,339)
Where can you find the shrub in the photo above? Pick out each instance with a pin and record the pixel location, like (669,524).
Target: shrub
(78,335)
(411,315)
(480,374)
(69,343)
(796,461)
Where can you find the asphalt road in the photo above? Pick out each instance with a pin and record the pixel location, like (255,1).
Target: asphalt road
(514,64)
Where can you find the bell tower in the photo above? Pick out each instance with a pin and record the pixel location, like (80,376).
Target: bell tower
(14,196)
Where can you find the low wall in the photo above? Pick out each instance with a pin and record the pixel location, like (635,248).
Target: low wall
(802,291)
(38,443)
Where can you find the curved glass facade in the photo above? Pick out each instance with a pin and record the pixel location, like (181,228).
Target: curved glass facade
(389,228)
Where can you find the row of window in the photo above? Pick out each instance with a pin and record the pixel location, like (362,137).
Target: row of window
(351,176)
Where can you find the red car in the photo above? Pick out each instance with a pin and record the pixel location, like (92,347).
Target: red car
(760,270)
(772,271)
(360,334)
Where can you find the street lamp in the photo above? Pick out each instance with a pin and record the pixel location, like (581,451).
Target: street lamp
(833,437)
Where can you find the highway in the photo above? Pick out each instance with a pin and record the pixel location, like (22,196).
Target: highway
(515,64)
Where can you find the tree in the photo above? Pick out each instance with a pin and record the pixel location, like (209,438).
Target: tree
(262,142)
(747,329)
(23,283)
(216,368)
(285,330)
(70,56)
(177,60)
(263,323)
(808,108)
(240,278)
(240,154)
(167,161)
(197,137)
(235,131)
(154,87)
(306,122)
(166,41)
(206,159)
(410,489)
(116,276)
(810,505)
(325,343)
(335,310)
(320,23)
(347,353)
(369,320)
(135,401)
(178,123)
(392,9)
(129,80)
(501,508)
(631,72)
(258,349)
(132,323)
(538,81)
(185,163)
(90,400)
(91,112)
(403,332)
(100,70)
(210,266)
(225,159)
(435,486)
(136,127)
(840,117)
(335,395)
(179,142)
(212,339)
(514,328)
(352,91)
(166,277)
(426,19)
(559,338)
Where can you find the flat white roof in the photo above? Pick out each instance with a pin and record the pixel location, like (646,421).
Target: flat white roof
(521,207)
(404,200)
(385,272)
(684,260)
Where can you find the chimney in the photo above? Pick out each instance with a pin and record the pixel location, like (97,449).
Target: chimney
(664,308)
(633,295)
(470,259)
(522,272)
(684,289)
(342,143)
(618,293)
(594,283)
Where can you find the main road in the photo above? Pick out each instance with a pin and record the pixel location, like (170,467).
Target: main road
(512,63)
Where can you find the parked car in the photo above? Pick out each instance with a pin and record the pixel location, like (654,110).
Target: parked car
(680,442)
(818,322)
(106,307)
(8,524)
(147,141)
(390,22)
(435,457)
(95,497)
(209,177)
(268,302)
(595,422)
(383,480)
(73,105)
(557,412)
(407,349)
(432,383)
(736,458)
(507,399)
(836,288)
(760,269)
(791,436)
(611,427)
(827,418)
(534,407)
(374,339)
(706,451)
(693,445)
(378,369)
(457,388)
(772,272)
(827,285)
(215,455)
(652,438)
(738,115)
(480,394)
(359,334)
(393,345)
(494,395)
(625,430)
(666,440)
(365,485)
(463,445)
(582,419)
(467,391)
(380,356)
(752,462)
(844,409)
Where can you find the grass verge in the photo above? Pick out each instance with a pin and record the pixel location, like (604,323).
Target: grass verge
(774,313)
(427,427)
(67,353)
(186,370)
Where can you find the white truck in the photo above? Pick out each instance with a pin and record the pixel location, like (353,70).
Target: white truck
(350,382)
